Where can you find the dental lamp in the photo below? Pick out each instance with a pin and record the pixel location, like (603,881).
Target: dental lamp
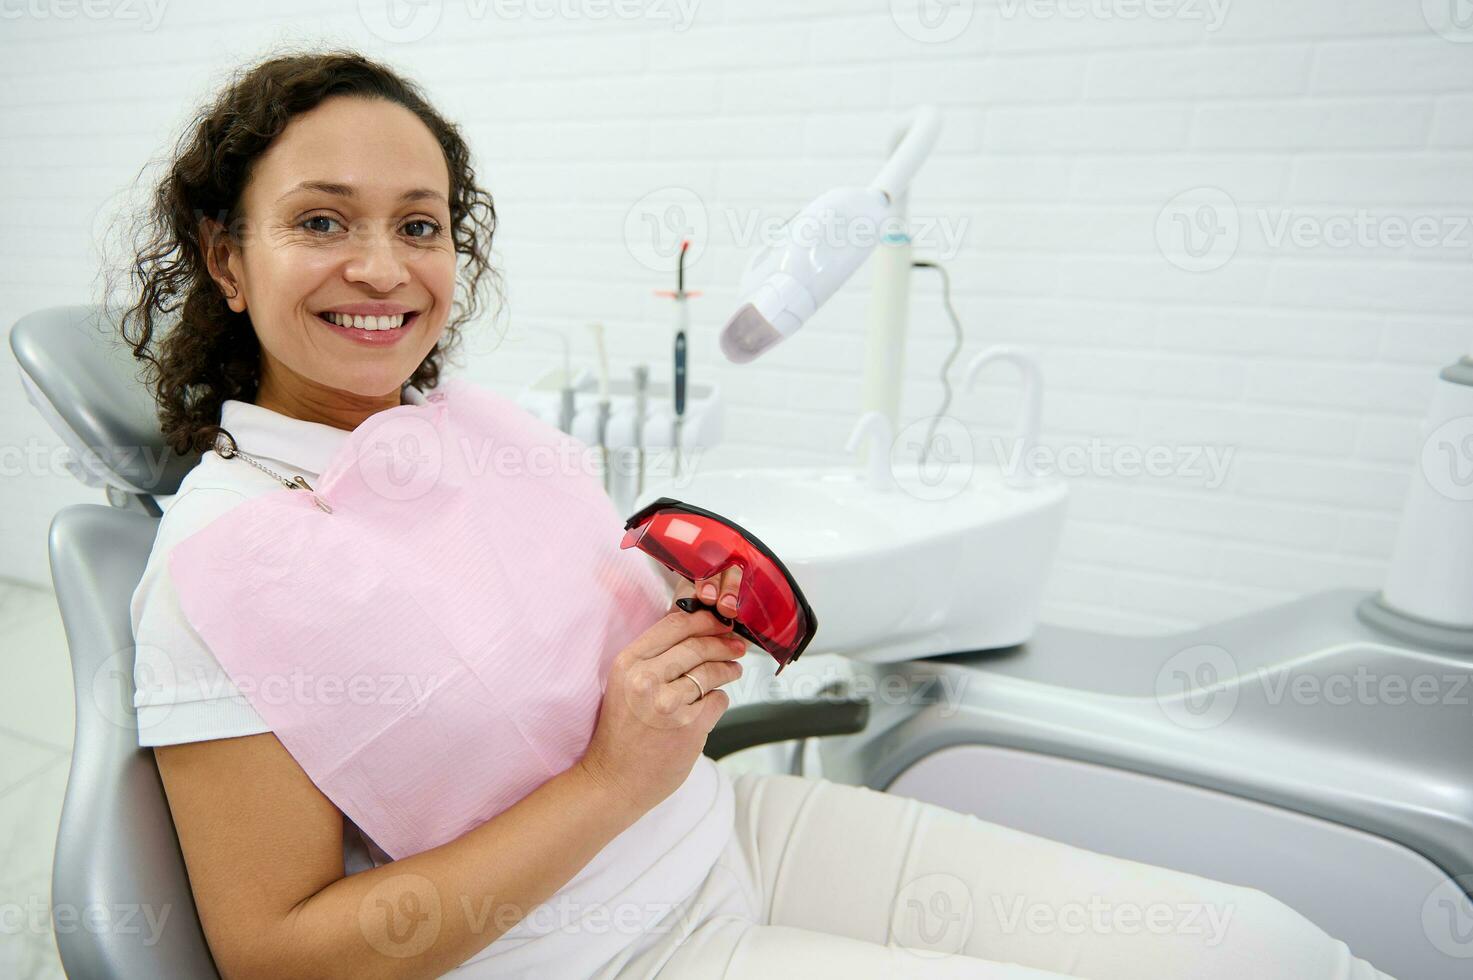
(786,282)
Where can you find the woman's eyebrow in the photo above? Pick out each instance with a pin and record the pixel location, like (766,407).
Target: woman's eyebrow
(344,190)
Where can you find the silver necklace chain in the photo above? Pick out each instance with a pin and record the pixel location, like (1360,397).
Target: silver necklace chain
(298,482)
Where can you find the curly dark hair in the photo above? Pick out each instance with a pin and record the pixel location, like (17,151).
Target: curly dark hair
(198,351)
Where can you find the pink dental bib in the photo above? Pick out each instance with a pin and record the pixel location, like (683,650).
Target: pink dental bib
(435,647)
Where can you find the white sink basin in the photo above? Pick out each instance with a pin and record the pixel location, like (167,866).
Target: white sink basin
(892,576)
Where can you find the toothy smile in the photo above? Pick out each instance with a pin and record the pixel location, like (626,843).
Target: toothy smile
(367,322)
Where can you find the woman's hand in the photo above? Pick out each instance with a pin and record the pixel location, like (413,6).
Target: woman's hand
(719,590)
(653,723)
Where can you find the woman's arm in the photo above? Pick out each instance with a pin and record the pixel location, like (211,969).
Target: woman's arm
(264,850)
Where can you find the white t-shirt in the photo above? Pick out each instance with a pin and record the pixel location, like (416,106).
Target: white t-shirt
(182,694)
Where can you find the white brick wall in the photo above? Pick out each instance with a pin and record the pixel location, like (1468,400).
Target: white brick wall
(1069,126)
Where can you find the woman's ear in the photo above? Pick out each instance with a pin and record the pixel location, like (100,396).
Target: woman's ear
(216,244)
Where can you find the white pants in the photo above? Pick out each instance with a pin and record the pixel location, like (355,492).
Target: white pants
(823,879)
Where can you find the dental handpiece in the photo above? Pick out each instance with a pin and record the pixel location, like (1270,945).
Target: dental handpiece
(679,394)
(641,394)
(682,296)
(603,396)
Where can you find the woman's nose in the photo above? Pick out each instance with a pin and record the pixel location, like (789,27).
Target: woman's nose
(376,261)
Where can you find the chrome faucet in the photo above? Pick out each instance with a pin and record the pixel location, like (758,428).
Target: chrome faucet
(875,426)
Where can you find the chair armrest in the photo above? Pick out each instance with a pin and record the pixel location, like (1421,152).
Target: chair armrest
(763,722)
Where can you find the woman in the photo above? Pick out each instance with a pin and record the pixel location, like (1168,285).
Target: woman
(310,233)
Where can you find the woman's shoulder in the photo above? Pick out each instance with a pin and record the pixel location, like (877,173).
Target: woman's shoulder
(206,492)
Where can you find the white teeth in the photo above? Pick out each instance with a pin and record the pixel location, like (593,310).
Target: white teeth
(367,322)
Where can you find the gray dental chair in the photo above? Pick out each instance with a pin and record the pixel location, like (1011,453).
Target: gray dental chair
(116,848)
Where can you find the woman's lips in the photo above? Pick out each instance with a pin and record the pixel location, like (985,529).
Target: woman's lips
(372,338)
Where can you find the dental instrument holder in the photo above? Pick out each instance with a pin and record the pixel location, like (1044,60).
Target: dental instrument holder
(701,429)
(555,388)
(565,411)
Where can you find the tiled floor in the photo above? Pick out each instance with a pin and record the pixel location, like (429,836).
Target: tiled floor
(35,750)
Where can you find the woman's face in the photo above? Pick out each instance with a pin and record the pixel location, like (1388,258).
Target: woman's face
(345,216)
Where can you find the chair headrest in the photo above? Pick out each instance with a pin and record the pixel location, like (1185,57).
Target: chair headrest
(84,380)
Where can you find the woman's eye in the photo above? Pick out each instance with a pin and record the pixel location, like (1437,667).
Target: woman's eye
(430,228)
(308,224)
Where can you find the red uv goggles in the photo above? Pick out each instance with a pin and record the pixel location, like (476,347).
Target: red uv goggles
(696,544)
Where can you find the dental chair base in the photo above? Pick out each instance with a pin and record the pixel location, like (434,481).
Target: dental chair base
(1301,750)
